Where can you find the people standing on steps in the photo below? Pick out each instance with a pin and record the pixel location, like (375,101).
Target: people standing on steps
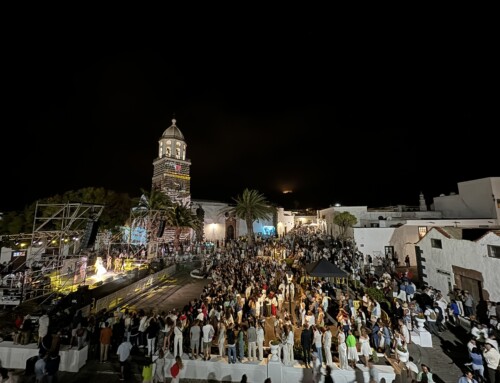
(306,343)
(327,345)
(260,340)
(342,348)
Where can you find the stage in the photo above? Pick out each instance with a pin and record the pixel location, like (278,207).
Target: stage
(15,356)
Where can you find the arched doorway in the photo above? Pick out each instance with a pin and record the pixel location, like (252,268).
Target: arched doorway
(230,229)
(229,233)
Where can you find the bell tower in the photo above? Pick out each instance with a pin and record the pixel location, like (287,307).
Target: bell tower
(171,169)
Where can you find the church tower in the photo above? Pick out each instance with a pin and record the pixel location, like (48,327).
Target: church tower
(422,204)
(171,172)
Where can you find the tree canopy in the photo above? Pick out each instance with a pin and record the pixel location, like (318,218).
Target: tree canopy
(250,206)
(344,220)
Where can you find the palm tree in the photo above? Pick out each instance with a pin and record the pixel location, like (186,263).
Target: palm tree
(151,208)
(153,200)
(180,217)
(251,206)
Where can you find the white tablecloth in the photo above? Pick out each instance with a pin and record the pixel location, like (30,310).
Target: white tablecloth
(15,356)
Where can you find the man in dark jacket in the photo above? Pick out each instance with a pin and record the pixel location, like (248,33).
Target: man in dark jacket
(306,342)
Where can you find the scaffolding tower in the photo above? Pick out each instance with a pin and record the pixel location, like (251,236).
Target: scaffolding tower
(61,232)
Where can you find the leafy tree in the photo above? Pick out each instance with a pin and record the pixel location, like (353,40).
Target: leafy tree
(115,213)
(251,206)
(344,220)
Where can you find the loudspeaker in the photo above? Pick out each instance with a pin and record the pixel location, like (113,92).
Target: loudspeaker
(90,234)
(93,234)
(161,229)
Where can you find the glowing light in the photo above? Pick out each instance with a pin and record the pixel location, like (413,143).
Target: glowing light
(99,267)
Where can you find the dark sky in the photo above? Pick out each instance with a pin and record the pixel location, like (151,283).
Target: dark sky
(358,116)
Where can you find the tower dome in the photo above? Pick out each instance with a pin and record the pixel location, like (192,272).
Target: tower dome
(173,132)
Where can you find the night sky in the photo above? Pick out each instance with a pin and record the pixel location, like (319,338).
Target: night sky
(336,116)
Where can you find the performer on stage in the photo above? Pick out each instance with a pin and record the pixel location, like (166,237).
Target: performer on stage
(99,267)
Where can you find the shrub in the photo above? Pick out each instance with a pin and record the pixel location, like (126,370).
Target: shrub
(376,294)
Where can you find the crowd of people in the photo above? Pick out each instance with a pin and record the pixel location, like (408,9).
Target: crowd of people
(260,296)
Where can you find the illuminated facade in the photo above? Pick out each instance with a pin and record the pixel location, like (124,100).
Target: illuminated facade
(171,173)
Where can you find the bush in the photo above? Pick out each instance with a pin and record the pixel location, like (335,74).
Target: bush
(376,294)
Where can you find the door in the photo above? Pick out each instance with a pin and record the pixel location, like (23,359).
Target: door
(473,286)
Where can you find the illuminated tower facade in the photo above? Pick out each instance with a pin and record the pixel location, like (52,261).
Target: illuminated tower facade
(171,172)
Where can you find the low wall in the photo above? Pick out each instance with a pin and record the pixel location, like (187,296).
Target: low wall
(114,300)
(218,370)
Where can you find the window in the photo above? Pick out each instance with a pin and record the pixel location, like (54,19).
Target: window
(494,251)
(422,231)
(436,243)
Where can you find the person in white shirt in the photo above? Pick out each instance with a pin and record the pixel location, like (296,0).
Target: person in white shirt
(317,340)
(252,341)
(431,317)
(281,299)
(492,359)
(123,353)
(413,368)
(194,337)
(327,345)
(43,326)
(200,316)
(324,302)
(471,344)
(178,339)
(207,334)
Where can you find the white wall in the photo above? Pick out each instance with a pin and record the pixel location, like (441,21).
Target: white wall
(286,221)
(215,221)
(471,255)
(475,199)
(404,239)
(373,240)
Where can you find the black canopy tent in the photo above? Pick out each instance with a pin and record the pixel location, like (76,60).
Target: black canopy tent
(325,269)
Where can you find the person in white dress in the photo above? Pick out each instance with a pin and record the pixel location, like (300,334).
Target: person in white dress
(260,340)
(404,331)
(343,362)
(221,341)
(366,349)
(289,343)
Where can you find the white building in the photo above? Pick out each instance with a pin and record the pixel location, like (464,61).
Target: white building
(394,231)
(468,259)
(475,199)
(219,226)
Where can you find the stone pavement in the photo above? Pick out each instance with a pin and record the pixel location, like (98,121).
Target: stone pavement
(447,356)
